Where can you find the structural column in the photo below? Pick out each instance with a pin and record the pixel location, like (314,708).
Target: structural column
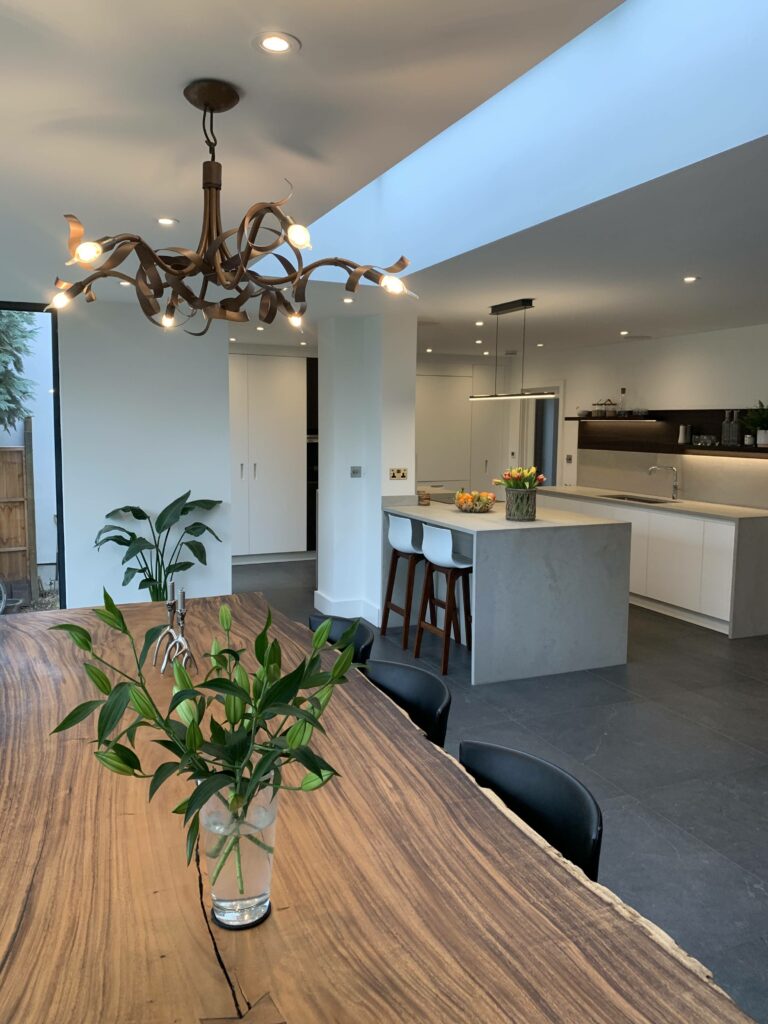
(367,416)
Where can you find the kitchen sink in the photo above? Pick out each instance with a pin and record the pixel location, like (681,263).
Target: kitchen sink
(634,497)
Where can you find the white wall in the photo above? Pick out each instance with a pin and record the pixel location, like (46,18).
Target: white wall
(38,367)
(144,417)
(367,371)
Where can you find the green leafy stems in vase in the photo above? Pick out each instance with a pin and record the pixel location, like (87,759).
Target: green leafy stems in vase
(232,735)
(520,479)
(149,555)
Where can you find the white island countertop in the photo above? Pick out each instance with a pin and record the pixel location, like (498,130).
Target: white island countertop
(681,506)
(442,514)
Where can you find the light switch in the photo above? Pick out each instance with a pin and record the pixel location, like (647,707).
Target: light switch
(355,472)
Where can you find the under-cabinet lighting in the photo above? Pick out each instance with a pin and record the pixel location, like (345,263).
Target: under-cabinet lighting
(513,397)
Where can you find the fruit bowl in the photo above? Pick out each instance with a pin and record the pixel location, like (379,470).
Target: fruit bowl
(474,501)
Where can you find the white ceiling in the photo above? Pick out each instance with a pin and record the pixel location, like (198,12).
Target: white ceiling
(618,265)
(94,122)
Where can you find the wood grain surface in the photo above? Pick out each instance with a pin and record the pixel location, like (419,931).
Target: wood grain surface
(402,892)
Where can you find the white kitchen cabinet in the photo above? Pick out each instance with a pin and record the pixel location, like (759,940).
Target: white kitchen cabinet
(675,548)
(717,569)
(268,432)
(443,429)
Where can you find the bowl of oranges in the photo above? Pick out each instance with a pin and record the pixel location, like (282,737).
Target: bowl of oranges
(474,501)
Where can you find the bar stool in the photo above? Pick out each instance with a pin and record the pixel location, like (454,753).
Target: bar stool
(437,548)
(400,536)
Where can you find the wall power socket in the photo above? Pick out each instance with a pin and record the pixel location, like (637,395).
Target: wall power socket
(398,474)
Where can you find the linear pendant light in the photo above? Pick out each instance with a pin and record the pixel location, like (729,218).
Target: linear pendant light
(511,307)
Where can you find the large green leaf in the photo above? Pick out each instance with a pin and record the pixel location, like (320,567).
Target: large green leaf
(78,714)
(150,637)
(162,773)
(116,538)
(198,529)
(81,637)
(197,549)
(113,710)
(178,567)
(283,690)
(205,790)
(137,545)
(192,834)
(128,510)
(112,528)
(206,504)
(98,677)
(130,572)
(171,514)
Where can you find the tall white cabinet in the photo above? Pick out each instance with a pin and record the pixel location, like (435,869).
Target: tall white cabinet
(268,445)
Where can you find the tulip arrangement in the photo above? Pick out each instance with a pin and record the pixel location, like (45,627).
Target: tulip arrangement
(474,501)
(520,479)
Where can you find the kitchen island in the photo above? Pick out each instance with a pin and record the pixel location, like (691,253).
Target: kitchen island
(547,597)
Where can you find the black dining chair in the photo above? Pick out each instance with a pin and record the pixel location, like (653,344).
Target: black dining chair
(555,804)
(424,697)
(363,639)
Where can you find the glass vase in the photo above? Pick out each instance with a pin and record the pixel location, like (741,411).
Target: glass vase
(238,852)
(521,504)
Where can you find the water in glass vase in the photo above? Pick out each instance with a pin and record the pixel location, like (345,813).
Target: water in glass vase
(238,853)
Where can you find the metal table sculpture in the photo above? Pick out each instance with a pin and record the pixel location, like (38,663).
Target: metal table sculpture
(176,644)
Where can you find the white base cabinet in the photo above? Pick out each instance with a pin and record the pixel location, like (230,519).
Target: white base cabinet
(268,444)
(681,561)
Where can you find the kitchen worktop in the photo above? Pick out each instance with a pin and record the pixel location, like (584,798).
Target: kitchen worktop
(440,514)
(681,506)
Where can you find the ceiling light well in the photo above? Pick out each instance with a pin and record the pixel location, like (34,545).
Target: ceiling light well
(277,44)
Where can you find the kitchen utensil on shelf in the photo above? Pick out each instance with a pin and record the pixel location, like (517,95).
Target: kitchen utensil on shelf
(684,434)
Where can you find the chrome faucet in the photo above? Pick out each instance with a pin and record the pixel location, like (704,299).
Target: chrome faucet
(673,471)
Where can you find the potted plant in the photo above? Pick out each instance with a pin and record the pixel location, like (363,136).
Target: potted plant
(520,484)
(756,422)
(157,559)
(232,736)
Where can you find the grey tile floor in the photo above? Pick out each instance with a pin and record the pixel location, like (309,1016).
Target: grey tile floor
(674,746)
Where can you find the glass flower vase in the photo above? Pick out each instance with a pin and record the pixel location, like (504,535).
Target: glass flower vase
(238,852)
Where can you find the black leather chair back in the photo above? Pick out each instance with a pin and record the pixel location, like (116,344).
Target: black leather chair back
(555,804)
(364,637)
(422,695)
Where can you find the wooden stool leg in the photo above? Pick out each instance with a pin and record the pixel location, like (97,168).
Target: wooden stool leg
(455,623)
(412,562)
(450,611)
(390,590)
(467,610)
(425,595)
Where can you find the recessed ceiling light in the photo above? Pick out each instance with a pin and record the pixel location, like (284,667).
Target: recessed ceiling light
(125,284)
(539,344)
(478,323)
(259,328)
(167,221)
(486,353)
(277,43)
(347,301)
(479,341)
(302,343)
(690,278)
(233,339)
(623,333)
(428,350)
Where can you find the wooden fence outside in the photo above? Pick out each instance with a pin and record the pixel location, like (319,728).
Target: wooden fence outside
(18,555)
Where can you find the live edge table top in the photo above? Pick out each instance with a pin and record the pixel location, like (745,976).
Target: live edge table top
(402,891)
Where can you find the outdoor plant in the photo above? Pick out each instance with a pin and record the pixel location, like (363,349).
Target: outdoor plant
(520,479)
(232,735)
(17,328)
(159,557)
(756,419)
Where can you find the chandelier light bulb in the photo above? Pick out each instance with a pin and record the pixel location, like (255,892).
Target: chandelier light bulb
(88,252)
(168,320)
(295,320)
(392,284)
(60,300)
(298,236)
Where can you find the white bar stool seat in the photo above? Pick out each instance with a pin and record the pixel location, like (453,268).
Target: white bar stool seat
(400,536)
(437,548)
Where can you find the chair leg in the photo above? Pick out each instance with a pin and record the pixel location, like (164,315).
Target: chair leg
(412,562)
(390,590)
(467,610)
(450,611)
(425,594)
(455,623)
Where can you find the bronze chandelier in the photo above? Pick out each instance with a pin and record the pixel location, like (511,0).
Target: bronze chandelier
(163,281)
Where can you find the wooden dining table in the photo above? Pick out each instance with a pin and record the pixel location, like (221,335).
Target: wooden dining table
(402,892)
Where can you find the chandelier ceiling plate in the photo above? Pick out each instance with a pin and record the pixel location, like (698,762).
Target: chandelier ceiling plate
(212,94)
